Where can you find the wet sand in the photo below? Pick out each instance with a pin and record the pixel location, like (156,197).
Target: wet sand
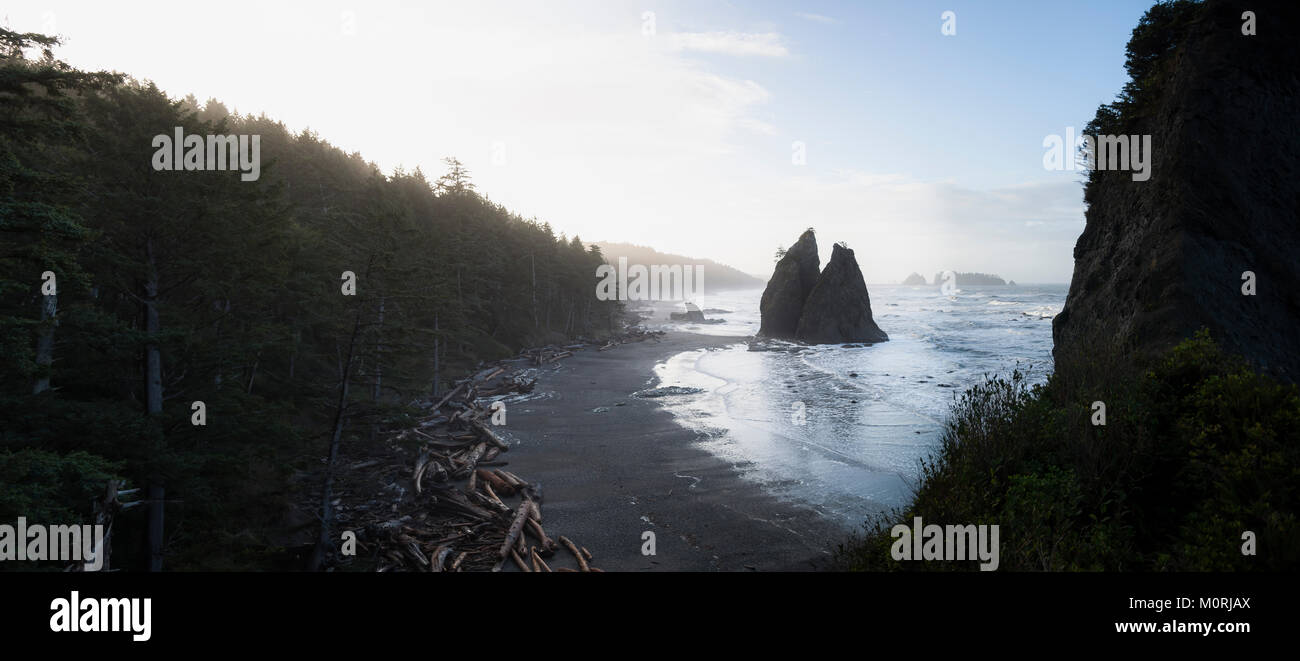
(608,477)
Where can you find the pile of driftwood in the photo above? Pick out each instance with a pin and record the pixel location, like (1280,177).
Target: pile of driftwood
(452,506)
(549,354)
(437,497)
(539,356)
(633,334)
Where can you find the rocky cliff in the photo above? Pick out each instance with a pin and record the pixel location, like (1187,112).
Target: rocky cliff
(839,308)
(1161,258)
(792,281)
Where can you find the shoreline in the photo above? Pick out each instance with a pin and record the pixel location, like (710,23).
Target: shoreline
(609,476)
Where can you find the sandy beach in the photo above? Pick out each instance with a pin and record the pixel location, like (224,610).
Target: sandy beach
(610,476)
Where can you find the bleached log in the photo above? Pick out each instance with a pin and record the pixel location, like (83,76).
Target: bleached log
(573,548)
(516,527)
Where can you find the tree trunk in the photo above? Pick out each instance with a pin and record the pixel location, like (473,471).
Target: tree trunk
(217,305)
(257,360)
(436,343)
(379,352)
(293,357)
(326,540)
(155,530)
(153,400)
(45,343)
(152,328)
(379,365)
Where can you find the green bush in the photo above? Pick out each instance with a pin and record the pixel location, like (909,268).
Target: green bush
(1196,450)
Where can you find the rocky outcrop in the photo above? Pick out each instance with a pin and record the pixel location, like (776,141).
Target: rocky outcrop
(830,307)
(914,279)
(692,313)
(792,281)
(1161,258)
(839,308)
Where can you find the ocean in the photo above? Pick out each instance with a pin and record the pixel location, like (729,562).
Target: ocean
(844,430)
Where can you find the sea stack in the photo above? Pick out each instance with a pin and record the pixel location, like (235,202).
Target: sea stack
(1210,240)
(826,308)
(792,281)
(839,308)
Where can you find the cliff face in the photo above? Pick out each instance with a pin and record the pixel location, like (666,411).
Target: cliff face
(1158,259)
(792,281)
(839,308)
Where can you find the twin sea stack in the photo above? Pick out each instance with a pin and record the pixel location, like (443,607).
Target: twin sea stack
(826,308)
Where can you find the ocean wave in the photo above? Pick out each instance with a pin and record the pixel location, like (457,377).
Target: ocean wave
(844,430)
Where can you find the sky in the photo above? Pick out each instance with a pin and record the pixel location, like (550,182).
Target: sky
(698,127)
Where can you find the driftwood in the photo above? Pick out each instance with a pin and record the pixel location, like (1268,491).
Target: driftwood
(573,548)
(512,478)
(455,565)
(487,488)
(443,523)
(440,557)
(472,460)
(499,484)
(516,527)
(446,399)
(426,462)
(490,436)
(514,555)
(538,563)
(535,529)
(553,358)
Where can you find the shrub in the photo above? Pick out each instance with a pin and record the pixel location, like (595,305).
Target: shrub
(1196,450)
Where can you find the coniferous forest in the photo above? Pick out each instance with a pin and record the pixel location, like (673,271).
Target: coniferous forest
(291,313)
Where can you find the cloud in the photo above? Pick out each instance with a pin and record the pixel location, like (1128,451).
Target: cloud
(603,131)
(756,125)
(898,224)
(764,44)
(816,18)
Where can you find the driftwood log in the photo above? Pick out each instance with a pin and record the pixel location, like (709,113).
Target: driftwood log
(516,527)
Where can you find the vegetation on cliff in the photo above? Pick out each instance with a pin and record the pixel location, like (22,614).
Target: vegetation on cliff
(1196,451)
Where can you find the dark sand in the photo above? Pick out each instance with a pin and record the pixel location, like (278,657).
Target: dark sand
(608,477)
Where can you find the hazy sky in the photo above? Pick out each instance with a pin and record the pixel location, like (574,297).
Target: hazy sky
(923,151)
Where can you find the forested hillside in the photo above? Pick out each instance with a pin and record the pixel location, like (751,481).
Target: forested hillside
(717,277)
(130,295)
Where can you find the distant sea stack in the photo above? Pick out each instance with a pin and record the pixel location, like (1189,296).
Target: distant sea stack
(914,279)
(1161,258)
(692,313)
(839,309)
(826,308)
(971,279)
(792,281)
